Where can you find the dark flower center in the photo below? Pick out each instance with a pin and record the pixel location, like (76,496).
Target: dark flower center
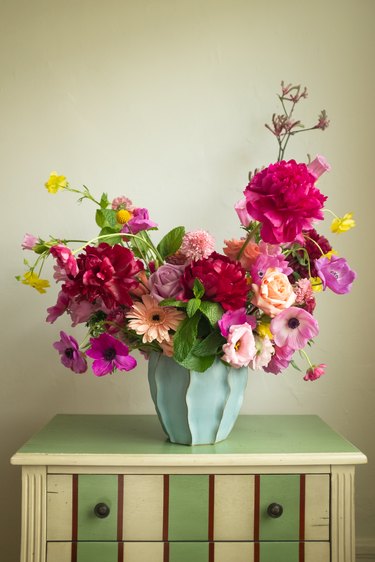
(293,323)
(334,273)
(109,354)
(260,274)
(156,317)
(69,352)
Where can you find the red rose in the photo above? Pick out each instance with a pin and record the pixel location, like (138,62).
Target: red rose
(224,281)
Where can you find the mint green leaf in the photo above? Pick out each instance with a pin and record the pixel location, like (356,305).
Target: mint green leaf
(199,364)
(185,337)
(193,306)
(212,310)
(198,288)
(104,201)
(210,345)
(111,240)
(173,302)
(106,218)
(171,242)
(295,366)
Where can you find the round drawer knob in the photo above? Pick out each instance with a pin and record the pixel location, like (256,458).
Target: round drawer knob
(101,510)
(275,510)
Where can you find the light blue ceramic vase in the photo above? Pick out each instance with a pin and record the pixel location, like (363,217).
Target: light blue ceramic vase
(196,408)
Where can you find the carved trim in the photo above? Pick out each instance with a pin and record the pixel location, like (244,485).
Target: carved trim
(342,513)
(34,503)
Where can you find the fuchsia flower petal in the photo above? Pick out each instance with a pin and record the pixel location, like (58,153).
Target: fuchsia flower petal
(315,372)
(335,274)
(71,356)
(232,317)
(109,354)
(294,327)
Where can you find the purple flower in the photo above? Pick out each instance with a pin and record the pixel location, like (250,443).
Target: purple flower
(29,241)
(294,327)
(335,274)
(71,356)
(279,360)
(235,317)
(140,221)
(109,354)
(165,282)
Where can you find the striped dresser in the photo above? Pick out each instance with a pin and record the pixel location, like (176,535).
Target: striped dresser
(111,489)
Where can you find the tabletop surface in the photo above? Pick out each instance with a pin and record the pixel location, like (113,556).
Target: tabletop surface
(142,435)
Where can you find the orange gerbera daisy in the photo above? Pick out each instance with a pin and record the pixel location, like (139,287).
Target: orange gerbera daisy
(152,320)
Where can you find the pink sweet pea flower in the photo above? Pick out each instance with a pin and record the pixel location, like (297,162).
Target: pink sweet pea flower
(59,308)
(232,317)
(335,274)
(280,360)
(318,166)
(71,356)
(65,259)
(240,349)
(29,241)
(294,327)
(109,354)
(315,372)
(241,210)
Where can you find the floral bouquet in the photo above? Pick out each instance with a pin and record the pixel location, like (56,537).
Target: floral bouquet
(250,305)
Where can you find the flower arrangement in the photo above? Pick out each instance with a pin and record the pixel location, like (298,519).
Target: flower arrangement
(250,306)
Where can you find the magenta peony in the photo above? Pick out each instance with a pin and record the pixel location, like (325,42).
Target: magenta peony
(284,199)
(224,281)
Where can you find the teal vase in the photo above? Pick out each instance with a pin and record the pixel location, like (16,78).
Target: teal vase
(196,408)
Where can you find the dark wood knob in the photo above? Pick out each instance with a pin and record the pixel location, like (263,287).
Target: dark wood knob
(275,510)
(101,510)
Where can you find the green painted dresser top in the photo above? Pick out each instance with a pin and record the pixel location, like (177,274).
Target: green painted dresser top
(142,435)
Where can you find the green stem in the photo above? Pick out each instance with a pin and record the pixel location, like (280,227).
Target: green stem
(155,250)
(316,243)
(302,352)
(104,236)
(248,239)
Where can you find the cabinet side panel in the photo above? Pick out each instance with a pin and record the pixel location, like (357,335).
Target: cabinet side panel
(33,541)
(342,514)
(234,507)
(59,507)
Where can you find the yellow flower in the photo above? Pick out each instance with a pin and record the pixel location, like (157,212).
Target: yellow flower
(55,182)
(263,329)
(343,224)
(316,284)
(330,254)
(123,216)
(32,279)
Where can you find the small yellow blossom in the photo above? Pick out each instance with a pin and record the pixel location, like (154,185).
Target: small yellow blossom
(330,254)
(55,182)
(343,224)
(263,329)
(123,216)
(316,284)
(32,279)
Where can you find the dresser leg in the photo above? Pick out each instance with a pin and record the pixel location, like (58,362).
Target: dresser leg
(33,526)
(342,514)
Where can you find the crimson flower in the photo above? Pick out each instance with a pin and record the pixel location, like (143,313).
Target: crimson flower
(224,281)
(284,199)
(106,272)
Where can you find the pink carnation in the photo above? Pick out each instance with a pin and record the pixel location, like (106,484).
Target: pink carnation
(197,245)
(284,199)
(304,294)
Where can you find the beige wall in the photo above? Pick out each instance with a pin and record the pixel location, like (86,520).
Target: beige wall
(165,101)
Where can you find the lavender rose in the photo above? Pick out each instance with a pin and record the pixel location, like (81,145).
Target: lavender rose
(165,283)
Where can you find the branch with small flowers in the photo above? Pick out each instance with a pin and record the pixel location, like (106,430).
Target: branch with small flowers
(250,306)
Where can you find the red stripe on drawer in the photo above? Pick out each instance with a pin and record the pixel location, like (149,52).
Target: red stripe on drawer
(74,516)
(211,552)
(120,506)
(120,552)
(256,516)
(166,508)
(211,507)
(302,502)
(166,552)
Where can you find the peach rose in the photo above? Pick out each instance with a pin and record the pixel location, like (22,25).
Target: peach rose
(249,255)
(274,294)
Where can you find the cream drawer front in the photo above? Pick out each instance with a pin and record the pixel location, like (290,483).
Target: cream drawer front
(188,552)
(188,507)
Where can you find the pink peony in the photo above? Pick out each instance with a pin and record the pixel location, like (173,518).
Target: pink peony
(284,199)
(240,348)
(293,328)
(315,372)
(197,245)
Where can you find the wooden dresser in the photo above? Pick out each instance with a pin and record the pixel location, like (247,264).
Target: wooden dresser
(112,489)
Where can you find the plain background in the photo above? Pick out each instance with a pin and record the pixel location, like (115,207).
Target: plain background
(165,101)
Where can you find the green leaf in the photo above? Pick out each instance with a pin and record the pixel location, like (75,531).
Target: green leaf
(173,302)
(104,201)
(198,288)
(171,242)
(193,306)
(111,240)
(199,364)
(295,366)
(107,218)
(210,345)
(212,310)
(185,337)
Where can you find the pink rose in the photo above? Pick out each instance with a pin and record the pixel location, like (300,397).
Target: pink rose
(240,347)
(165,283)
(274,294)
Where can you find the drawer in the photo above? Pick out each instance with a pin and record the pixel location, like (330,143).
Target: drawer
(188,507)
(188,552)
